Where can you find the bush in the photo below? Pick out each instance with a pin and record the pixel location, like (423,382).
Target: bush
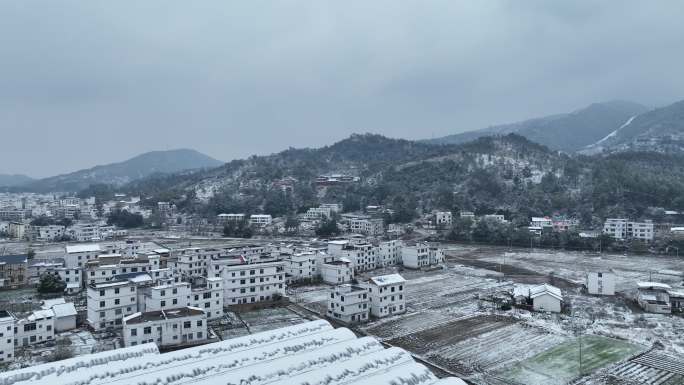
(50,283)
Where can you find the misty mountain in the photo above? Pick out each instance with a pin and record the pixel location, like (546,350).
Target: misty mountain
(11,180)
(118,174)
(568,132)
(661,130)
(501,173)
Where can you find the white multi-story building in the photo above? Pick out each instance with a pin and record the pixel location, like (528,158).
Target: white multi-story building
(251,283)
(73,277)
(362,255)
(302,266)
(48,233)
(435,254)
(6,337)
(443,219)
(495,218)
(171,327)
(601,283)
(170,295)
(318,213)
(78,255)
(209,298)
(389,253)
(415,256)
(224,219)
(337,272)
(366,226)
(621,229)
(349,304)
(387,295)
(38,327)
(260,220)
(109,302)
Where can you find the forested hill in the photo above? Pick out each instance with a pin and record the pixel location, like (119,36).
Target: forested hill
(508,174)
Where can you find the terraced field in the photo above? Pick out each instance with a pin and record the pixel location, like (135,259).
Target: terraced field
(652,369)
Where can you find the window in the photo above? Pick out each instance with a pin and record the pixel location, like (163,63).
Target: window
(187,325)
(147,330)
(102,303)
(116,291)
(199,323)
(102,293)
(134,332)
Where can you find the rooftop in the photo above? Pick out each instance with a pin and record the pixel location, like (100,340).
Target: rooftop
(85,248)
(390,279)
(160,315)
(653,286)
(13,259)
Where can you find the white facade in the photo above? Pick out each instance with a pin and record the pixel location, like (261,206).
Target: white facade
(389,253)
(621,229)
(209,298)
(302,266)
(230,218)
(546,298)
(6,337)
(78,255)
(387,295)
(363,256)
(108,303)
(349,304)
(337,272)
(251,283)
(185,325)
(415,256)
(366,226)
(601,283)
(260,219)
(38,327)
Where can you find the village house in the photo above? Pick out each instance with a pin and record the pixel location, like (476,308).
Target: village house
(254,282)
(338,271)
(443,219)
(170,327)
(6,336)
(13,271)
(387,295)
(109,302)
(349,304)
(654,297)
(618,228)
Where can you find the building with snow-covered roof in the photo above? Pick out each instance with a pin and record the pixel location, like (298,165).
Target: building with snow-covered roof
(389,253)
(64,312)
(252,282)
(39,326)
(260,220)
(109,302)
(654,297)
(387,295)
(78,255)
(338,271)
(546,297)
(170,327)
(349,304)
(308,353)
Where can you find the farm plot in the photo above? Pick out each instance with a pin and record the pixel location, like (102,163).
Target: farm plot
(651,368)
(496,349)
(270,318)
(560,364)
(427,341)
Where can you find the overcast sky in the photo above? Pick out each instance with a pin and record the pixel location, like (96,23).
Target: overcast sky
(89,82)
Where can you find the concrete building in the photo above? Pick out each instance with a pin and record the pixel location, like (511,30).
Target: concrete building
(362,255)
(389,253)
(78,255)
(108,303)
(37,327)
(260,220)
(443,219)
(415,256)
(171,327)
(302,267)
(623,229)
(349,304)
(64,313)
(224,219)
(6,337)
(337,272)
(251,283)
(654,297)
(601,283)
(209,297)
(367,226)
(13,271)
(546,298)
(387,295)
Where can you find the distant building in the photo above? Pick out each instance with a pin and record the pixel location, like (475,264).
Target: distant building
(415,256)
(622,229)
(387,295)
(108,303)
(349,304)
(443,219)
(601,283)
(171,327)
(389,253)
(467,214)
(260,220)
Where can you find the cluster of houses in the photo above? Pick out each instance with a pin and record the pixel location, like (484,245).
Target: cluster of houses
(167,296)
